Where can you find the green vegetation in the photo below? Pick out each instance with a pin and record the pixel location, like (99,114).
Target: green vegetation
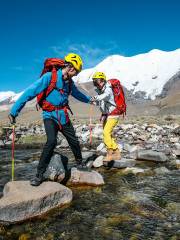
(32,139)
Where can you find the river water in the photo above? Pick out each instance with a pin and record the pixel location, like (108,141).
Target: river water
(127,207)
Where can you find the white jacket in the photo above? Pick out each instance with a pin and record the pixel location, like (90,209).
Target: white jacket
(105,99)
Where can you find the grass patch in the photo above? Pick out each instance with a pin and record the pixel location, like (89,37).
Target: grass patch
(32,139)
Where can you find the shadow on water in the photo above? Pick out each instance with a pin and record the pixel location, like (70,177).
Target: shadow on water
(126,207)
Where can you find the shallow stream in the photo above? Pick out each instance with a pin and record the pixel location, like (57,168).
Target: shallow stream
(128,206)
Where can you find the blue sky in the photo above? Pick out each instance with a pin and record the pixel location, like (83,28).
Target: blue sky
(32,30)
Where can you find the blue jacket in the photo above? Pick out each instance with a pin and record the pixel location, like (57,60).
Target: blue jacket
(55,97)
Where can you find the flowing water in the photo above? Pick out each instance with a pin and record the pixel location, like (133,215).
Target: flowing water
(126,207)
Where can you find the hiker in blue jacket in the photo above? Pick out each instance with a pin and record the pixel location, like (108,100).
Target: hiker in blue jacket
(55,108)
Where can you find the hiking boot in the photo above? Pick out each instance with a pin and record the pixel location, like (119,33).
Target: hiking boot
(116,155)
(37,180)
(82,167)
(108,157)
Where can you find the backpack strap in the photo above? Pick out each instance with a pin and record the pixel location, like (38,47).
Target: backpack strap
(43,95)
(53,82)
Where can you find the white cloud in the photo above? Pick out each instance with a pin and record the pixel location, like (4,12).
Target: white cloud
(90,53)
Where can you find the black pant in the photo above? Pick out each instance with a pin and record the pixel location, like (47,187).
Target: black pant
(52,128)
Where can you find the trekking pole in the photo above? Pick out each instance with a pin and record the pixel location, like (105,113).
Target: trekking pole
(90,125)
(13,148)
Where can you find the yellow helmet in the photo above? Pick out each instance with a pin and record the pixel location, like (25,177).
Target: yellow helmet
(99,75)
(75,60)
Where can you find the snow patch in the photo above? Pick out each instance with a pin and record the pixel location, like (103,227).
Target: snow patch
(151,70)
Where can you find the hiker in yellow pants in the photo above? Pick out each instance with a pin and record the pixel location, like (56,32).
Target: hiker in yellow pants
(109,141)
(110,111)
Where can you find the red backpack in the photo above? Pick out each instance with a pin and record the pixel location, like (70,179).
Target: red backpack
(119,97)
(50,65)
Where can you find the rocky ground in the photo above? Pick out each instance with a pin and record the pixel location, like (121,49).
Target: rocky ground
(144,182)
(152,139)
(157,134)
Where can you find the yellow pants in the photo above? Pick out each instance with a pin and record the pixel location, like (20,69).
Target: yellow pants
(108,127)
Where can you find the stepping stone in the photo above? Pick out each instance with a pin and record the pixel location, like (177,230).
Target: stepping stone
(91,178)
(123,163)
(21,201)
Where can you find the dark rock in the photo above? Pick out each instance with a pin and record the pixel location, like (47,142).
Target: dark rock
(150,155)
(123,163)
(56,168)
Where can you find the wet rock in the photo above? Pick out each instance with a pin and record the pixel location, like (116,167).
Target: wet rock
(98,162)
(150,155)
(21,201)
(123,163)
(136,170)
(178,164)
(55,170)
(91,178)
(137,197)
(161,170)
(173,208)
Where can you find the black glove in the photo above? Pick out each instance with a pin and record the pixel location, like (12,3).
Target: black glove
(12,119)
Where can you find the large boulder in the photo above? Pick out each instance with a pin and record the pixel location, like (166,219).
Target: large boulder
(150,155)
(91,178)
(22,201)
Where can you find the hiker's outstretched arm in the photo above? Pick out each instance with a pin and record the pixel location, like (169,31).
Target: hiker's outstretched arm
(76,93)
(30,93)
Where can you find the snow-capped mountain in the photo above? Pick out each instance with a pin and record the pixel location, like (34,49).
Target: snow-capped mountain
(9,97)
(147,72)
